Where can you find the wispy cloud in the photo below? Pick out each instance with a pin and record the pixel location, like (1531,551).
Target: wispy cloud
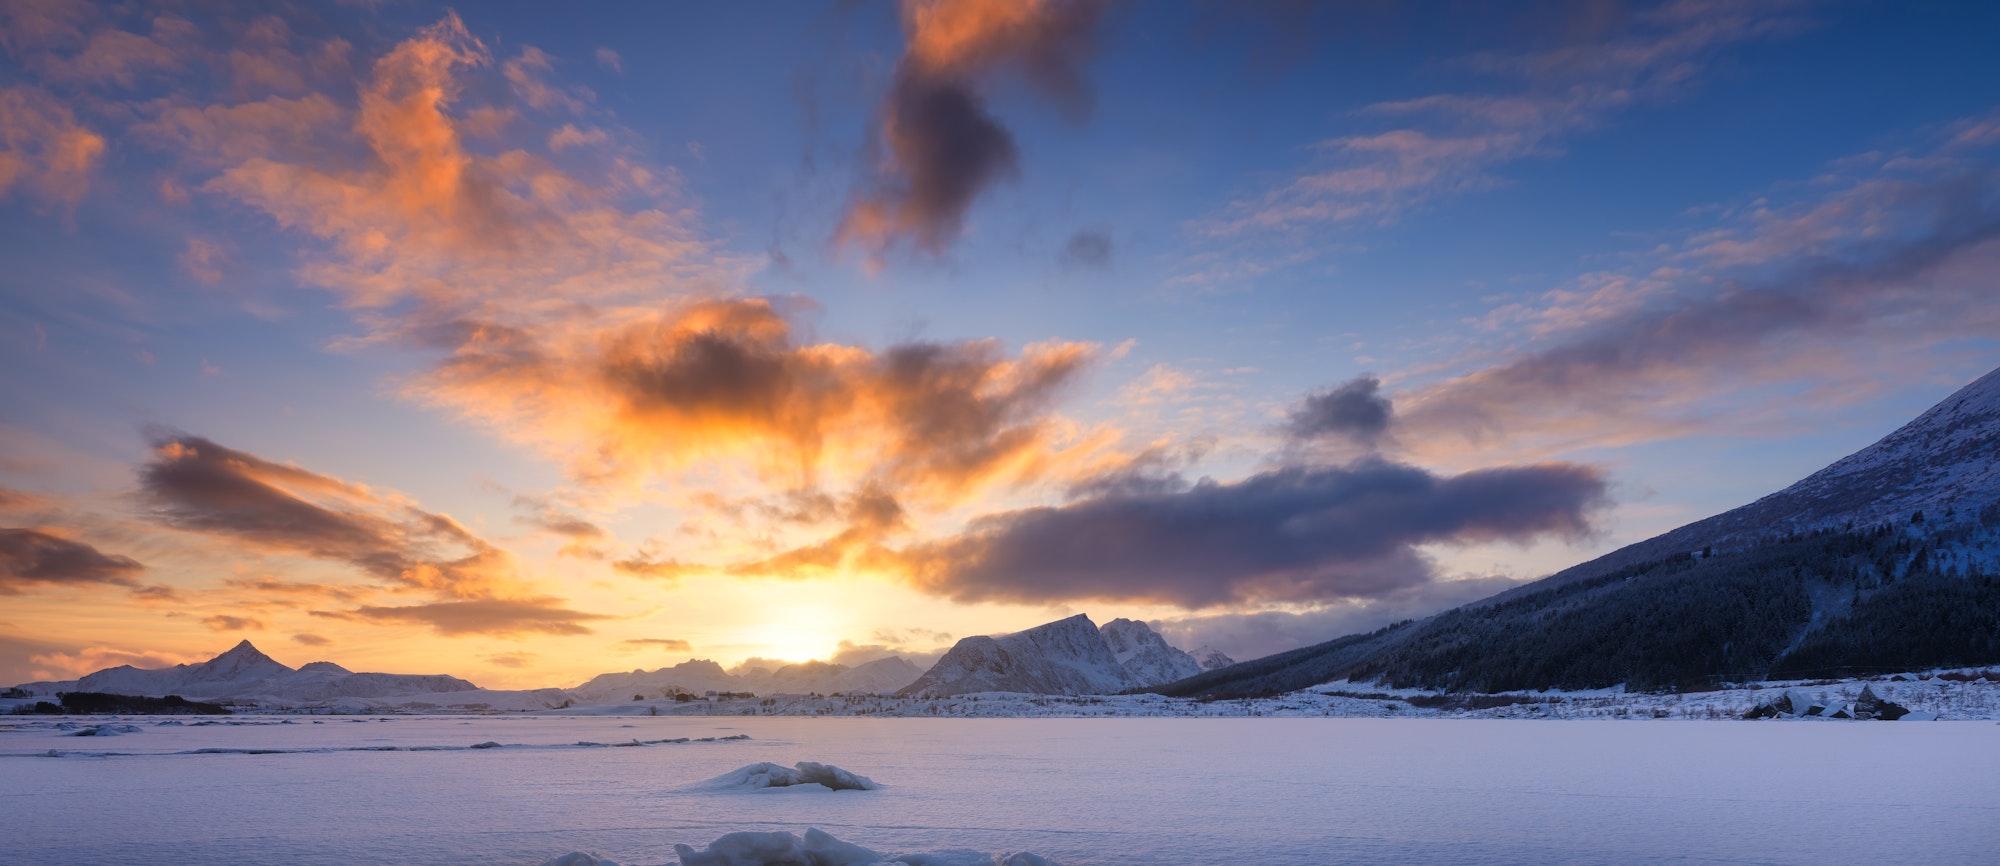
(1454,142)
(1891,249)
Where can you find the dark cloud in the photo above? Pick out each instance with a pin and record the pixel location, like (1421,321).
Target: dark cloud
(32,557)
(1086,250)
(1355,410)
(200,486)
(1287,535)
(310,639)
(664,644)
(489,616)
(944,147)
(225,622)
(197,485)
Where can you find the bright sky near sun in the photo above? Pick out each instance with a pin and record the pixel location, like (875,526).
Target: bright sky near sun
(529,341)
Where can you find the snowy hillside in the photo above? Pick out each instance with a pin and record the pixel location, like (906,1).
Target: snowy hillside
(1945,464)
(1211,658)
(1065,657)
(1144,654)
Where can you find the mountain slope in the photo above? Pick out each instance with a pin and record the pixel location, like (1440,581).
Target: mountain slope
(1065,657)
(1885,559)
(1144,654)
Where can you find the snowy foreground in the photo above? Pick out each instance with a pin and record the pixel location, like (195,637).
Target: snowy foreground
(528,790)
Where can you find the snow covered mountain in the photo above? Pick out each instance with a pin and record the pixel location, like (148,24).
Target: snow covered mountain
(693,676)
(879,677)
(1211,658)
(1888,559)
(697,676)
(1144,654)
(1945,464)
(1065,657)
(245,672)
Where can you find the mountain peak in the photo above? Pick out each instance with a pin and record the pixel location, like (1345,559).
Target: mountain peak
(1065,657)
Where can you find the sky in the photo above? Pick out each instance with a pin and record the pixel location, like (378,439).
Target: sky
(525,342)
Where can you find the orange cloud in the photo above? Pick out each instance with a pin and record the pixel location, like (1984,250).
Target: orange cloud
(727,379)
(44,151)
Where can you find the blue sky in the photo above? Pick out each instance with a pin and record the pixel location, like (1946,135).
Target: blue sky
(607,298)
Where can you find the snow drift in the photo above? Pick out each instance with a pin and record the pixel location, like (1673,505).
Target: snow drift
(769,775)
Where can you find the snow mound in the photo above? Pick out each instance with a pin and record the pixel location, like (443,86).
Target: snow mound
(103,731)
(819,848)
(769,775)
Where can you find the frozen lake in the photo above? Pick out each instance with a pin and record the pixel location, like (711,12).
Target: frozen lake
(1078,791)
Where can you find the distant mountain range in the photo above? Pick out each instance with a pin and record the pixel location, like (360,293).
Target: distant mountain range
(1066,657)
(699,676)
(245,672)
(1888,559)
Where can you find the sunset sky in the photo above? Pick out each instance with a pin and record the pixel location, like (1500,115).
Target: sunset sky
(524,342)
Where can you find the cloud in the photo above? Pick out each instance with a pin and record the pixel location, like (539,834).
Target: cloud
(581,538)
(1086,250)
(664,644)
(1354,410)
(503,617)
(197,485)
(1454,141)
(30,557)
(69,665)
(44,151)
(1901,256)
(609,59)
(943,147)
(511,660)
(224,622)
(727,379)
(1293,534)
(310,639)
(274,586)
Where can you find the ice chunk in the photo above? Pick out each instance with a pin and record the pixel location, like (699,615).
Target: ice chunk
(107,730)
(769,775)
(578,858)
(819,848)
(777,849)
